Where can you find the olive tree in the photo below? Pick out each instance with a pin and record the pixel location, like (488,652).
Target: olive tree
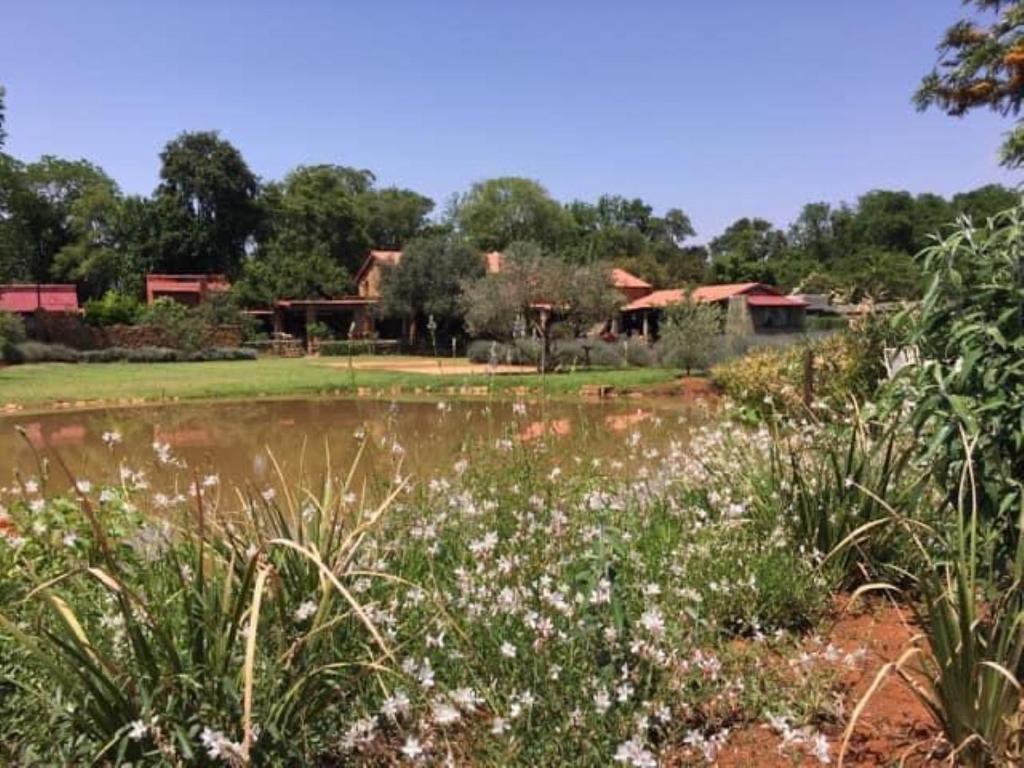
(689,333)
(535,291)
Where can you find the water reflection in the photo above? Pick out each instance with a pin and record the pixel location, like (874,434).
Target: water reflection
(236,440)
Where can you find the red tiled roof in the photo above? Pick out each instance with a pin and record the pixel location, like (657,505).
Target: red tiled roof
(623,279)
(770,300)
(390,258)
(28,297)
(725,291)
(658,299)
(758,295)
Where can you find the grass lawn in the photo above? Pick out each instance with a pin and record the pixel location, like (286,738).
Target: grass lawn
(49,384)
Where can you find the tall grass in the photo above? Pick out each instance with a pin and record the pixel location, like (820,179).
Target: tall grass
(966,670)
(226,637)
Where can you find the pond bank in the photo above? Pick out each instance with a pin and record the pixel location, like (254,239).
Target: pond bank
(56,386)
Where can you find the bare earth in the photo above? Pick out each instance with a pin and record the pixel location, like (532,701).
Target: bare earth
(429,366)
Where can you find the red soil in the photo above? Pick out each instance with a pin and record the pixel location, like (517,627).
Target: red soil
(894,729)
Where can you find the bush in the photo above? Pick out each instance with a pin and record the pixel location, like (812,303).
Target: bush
(185,324)
(689,335)
(113,309)
(37,352)
(345,347)
(12,332)
(846,365)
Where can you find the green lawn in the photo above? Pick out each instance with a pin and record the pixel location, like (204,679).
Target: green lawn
(44,385)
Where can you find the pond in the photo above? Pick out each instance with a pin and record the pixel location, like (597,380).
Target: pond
(239,442)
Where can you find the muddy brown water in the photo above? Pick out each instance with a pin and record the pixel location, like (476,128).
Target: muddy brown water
(240,441)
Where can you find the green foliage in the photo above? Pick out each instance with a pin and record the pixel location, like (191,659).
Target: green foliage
(981,67)
(184,324)
(746,251)
(207,203)
(37,352)
(689,333)
(318,330)
(12,329)
(970,389)
(395,216)
(429,281)
(113,309)
(495,213)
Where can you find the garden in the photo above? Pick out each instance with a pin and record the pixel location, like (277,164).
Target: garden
(667,604)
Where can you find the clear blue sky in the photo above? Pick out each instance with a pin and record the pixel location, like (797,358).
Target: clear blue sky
(723,109)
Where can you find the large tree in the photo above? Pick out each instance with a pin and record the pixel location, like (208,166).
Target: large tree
(395,216)
(747,251)
(982,66)
(3,117)
(207,201)
(428,282)
(537,290)
(497,212)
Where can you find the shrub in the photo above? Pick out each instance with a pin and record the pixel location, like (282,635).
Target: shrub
(12,332)
(345,347)
(113,309)
(689,335)
(37,352)
(184,324)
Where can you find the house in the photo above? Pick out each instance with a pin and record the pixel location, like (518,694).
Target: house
(770,311)
(629,285)
(26,298)
(192,290)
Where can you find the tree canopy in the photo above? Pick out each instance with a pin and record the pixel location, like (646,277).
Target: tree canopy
(982,66)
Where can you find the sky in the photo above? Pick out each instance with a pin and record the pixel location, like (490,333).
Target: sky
(745,108)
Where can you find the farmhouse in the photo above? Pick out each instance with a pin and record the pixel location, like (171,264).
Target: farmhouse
(770,311)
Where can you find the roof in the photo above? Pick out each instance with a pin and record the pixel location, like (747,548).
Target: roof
(726,291)
(623,279)
(28,297)
(770,300)
(758,295)
(348,301)
(388,258)
(186,283)
(658,299)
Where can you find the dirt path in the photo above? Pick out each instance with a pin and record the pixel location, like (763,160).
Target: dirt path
(430,366)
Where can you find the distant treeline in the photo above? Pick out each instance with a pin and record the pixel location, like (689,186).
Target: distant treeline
(306,235)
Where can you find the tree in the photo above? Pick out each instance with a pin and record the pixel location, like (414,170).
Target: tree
(43,204)
(319,208)
(395,216)
(207,201)
(535,289)
(278,271)
(982,66)
(689,332)
(981,204)
(428,282)
(498,212)
(747,252)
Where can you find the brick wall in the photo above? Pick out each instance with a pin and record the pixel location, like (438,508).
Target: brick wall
(71,330)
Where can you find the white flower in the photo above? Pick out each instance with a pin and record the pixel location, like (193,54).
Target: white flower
(602,701)
(498,726)
(633,753)
(821,749)
(31,486)
(444,713)
(220,747)
(137,730)
(412,748)
(395,705)
(70,539)
(305,610)
(112,438)
(508,650)
(653,622)
(83,486)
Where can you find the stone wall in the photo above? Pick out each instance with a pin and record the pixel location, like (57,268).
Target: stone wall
(70,329)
